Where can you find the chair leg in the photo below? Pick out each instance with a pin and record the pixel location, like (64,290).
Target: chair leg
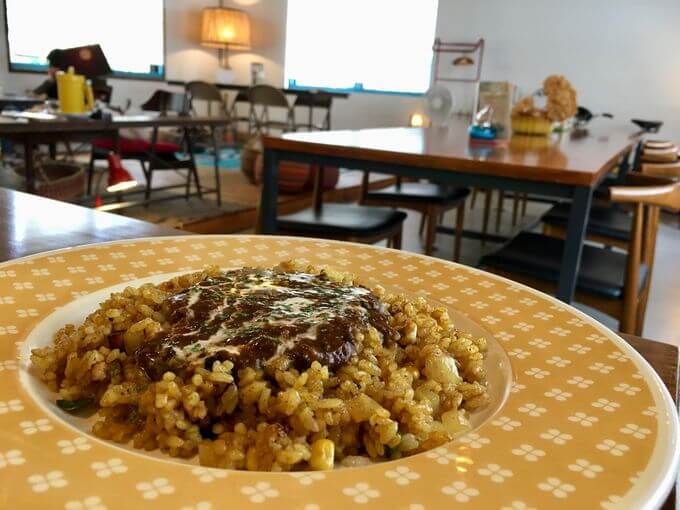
(423,218)
(187,185)
(431,232)
(197,182)
(396,239)
(641,311)
(499,210)
(90,174)
(525,199)
(149,176)
(487,211)
(628,319)
(473,198)
(217,166)
(460,221)
(515,208)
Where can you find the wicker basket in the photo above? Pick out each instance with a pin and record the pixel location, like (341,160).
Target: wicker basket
(60,180)
(529,125)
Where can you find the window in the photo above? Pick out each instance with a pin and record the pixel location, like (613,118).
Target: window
(360,45)
(130,32)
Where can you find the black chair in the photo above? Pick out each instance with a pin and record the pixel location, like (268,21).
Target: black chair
(241,98)
(311,102)
(205,94)
(154,155)
(263,98)
(430,199)
(344,222)
(611,281)
(608,224)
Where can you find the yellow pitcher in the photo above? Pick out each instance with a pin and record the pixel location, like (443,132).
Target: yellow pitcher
(75,94)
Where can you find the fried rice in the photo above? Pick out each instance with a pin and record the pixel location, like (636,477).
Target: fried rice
(393,395)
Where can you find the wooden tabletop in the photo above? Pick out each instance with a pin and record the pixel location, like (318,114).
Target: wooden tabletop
(568,158)
(11,126)
(32,224)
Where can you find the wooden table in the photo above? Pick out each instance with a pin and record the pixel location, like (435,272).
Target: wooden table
(32,224)
(31,133)
(569,166)
(18,102)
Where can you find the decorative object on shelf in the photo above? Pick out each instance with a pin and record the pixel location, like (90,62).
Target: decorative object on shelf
(468,56)
(483,127)
(225,29)
(560,105)
(499,95)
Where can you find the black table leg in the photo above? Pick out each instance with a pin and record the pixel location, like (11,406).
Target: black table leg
(576,229)
(270,190)
(28,166)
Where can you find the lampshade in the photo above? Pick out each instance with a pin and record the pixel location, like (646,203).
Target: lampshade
(222,28)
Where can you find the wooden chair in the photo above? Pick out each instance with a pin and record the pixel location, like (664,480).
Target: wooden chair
(613,282)
(344,222)
(611,224)
(265,97)
(431,200)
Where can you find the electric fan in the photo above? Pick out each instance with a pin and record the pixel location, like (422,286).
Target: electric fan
(439,104)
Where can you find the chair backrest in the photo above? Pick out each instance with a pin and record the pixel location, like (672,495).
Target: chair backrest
(263,97)
(164,101)
(314,100)
(204,92)
(266,95)
(671,170)
(647,194)
(648,190)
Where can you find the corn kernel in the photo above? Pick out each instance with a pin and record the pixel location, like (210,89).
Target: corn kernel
(323,455)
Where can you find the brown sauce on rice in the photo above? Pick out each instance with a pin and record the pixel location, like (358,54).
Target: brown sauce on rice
(263,318)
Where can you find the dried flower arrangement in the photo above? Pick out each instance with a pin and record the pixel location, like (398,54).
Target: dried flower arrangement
(561,101)
(561,105)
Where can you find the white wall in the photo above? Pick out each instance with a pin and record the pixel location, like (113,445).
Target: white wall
(622,56)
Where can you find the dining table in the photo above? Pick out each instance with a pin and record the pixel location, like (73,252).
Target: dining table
(32,129)
(33,224)
(569,165)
